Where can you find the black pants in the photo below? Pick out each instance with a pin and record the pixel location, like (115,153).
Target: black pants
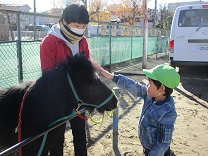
(146,151)
(79,136)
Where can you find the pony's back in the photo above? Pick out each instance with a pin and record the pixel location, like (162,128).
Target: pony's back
(10,99)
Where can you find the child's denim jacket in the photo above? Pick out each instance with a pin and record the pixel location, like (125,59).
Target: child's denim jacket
(156,123)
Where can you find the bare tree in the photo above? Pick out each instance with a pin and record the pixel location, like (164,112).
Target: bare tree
(96,9)
(135,5)
(165,18)
(127,10)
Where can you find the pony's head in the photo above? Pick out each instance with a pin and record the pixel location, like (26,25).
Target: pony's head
(86,85)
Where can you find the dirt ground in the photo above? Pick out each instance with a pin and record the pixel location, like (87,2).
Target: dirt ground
(190,137)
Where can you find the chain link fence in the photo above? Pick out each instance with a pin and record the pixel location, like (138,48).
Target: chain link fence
(110,43)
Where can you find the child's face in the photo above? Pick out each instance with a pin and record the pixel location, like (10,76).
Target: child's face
(152,90)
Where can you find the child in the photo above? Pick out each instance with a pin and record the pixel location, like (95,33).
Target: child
(158,115)
(67,38)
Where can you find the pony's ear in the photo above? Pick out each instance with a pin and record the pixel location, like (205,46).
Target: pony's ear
(83,53)
(69,58)
(69,61)
(80,54)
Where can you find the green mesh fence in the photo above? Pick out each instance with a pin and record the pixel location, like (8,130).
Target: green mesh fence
(8,64)
(137,47)
(120,49)
(104,50)
(99,49)
(31,60)
(123,48)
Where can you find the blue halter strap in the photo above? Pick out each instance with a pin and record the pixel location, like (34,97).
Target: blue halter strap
(80,101)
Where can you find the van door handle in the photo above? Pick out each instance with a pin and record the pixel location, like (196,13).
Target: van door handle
(180,36)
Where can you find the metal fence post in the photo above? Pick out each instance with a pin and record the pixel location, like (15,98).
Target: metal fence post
(157,45)
(115,129)
(19,50)
(115,120)
(145,36)
(131,27)
(110,45)
(34,20)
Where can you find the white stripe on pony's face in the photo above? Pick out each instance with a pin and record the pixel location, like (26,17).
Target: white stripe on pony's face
(97,75)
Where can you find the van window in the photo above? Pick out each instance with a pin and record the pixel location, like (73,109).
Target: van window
(193,18)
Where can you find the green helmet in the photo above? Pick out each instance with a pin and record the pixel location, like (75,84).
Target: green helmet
(165,74)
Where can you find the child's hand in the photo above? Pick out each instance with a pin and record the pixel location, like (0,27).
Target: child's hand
(106,74)
(102,71)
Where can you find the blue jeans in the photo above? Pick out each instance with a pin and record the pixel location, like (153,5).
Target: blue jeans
(146,151)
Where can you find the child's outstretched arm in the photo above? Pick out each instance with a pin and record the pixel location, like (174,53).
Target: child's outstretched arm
(135,88)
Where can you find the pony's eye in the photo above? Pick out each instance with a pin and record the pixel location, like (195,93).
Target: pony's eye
(98,80)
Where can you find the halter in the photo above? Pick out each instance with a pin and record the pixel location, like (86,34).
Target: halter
(80,102)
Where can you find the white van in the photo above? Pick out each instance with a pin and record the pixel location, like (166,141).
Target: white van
(188,43)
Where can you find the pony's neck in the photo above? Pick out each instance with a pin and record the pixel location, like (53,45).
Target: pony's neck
(54,80)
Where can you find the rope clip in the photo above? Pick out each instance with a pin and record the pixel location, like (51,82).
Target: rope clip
(80,102)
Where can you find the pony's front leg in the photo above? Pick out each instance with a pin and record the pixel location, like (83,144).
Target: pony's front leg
(34,149)
(57,148)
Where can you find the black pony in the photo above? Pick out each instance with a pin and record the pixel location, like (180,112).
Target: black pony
(53,96)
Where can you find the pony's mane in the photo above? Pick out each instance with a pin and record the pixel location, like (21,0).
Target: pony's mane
(82,64)
(78,63)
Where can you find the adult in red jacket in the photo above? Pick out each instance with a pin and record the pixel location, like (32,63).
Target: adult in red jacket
(53,50)
(66,38)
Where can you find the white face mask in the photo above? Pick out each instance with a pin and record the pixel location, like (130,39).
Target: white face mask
(77,31)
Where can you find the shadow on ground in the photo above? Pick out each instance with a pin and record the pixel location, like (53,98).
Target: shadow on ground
(198,78)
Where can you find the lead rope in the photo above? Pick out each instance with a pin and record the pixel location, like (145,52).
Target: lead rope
(19,127)
(74,113)
(109,113)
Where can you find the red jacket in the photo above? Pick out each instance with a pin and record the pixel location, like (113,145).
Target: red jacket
(53,50)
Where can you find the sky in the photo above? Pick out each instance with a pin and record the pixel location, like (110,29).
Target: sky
(43,5)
